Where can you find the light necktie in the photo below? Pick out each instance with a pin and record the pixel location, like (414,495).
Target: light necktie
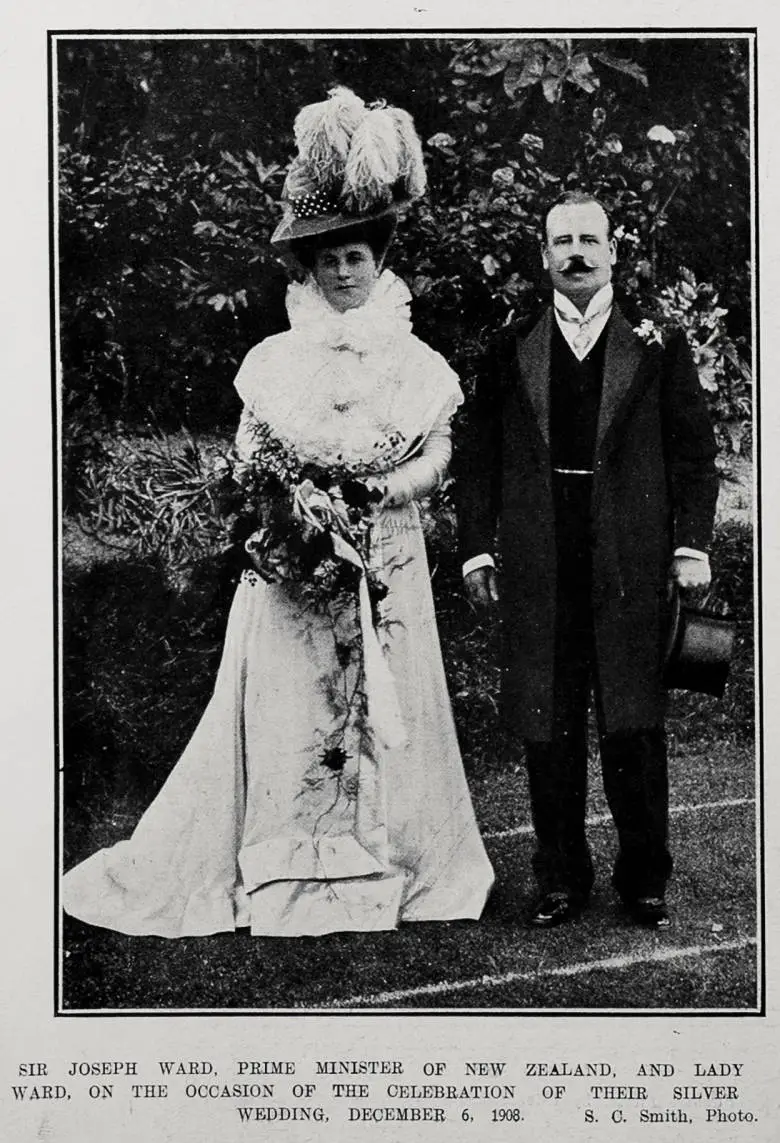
(584,336)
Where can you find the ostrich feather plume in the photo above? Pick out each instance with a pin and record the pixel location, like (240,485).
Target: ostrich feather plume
(323,133)
(374,161)
(365,156)
(411,162)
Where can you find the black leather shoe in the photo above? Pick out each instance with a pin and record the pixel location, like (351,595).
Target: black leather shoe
(651,912)
(553,909)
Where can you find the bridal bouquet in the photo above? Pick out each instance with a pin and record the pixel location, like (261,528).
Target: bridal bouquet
(309,526)
(298,522)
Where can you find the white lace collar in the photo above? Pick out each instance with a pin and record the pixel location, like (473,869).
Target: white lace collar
(382,319)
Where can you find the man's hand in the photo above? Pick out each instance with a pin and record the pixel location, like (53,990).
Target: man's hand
(481,588)
(690,574)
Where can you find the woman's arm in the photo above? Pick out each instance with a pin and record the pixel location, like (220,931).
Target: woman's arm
(423,474)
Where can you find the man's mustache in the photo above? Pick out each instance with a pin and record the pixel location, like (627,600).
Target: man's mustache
(576,265)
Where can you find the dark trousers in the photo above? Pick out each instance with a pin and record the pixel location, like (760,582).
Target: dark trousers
(633,763)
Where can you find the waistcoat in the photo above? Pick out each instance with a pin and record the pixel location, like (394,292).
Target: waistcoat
(575,396)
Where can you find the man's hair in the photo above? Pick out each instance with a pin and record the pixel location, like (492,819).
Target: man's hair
(575,198)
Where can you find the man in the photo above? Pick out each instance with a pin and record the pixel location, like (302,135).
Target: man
(594,454)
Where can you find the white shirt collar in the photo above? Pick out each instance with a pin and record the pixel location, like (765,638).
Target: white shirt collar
(601,299)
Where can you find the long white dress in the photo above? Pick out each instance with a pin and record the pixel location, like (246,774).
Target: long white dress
(250,827)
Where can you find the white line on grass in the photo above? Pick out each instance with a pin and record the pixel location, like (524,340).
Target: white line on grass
(602,819)
(442,988)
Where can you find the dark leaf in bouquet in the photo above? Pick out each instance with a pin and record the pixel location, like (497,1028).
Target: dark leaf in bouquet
(242,528)
(310,552)
(348,577)
(358,495)
(273,485)
(319,477)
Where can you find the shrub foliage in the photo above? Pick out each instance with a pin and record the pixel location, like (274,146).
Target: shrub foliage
(172,155)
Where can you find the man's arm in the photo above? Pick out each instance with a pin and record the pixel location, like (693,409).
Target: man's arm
(690,454)
(478,477)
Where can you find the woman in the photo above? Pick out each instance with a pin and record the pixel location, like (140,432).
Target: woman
(323,788)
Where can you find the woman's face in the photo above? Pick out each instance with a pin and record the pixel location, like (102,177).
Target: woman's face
(345,274)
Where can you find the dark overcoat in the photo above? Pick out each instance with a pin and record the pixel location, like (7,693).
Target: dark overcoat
(654,490)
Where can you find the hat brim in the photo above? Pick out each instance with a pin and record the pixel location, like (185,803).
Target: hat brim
(292,230)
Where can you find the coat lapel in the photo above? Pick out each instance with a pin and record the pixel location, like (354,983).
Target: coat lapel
(534,362)
(623,355)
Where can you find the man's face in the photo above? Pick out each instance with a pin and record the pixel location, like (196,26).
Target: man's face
(577,252)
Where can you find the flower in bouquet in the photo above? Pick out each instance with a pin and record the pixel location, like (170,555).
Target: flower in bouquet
(318,511)
(300,522)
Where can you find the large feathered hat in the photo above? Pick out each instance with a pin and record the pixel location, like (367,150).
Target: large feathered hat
(356,164)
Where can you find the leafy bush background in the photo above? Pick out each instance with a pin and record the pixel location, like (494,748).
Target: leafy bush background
(172,154)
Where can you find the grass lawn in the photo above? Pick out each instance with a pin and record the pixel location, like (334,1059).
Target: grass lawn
(139,660)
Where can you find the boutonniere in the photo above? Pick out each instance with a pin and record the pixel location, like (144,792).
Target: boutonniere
(648,332)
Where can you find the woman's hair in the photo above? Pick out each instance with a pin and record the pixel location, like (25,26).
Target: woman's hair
(376,233)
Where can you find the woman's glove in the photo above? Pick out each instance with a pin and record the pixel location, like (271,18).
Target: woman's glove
(423,474)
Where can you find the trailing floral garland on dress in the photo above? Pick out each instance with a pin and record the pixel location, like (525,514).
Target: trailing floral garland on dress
(309,528)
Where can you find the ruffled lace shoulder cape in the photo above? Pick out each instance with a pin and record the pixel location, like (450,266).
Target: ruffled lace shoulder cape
(341,388)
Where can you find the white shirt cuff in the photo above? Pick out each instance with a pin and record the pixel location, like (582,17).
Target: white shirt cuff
(693,553)
(484,561)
